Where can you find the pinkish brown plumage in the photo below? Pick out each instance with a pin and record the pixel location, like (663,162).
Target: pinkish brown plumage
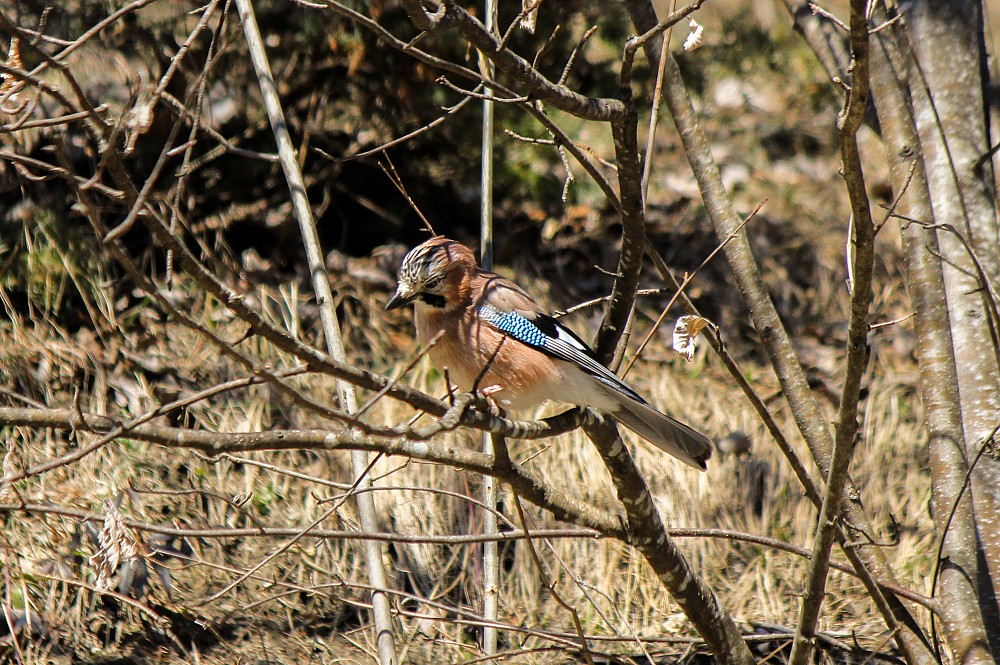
(488,323)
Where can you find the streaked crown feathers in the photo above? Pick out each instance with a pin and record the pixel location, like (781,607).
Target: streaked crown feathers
(432,260)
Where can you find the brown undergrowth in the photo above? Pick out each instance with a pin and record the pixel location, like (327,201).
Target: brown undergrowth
(77,336)
(307,602)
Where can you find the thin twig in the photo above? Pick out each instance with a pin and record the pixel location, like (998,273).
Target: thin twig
(654,111)
(393,175)
(406,137)
(512,535)
(549,585)
(846,428)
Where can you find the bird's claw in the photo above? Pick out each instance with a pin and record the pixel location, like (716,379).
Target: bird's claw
(488,392)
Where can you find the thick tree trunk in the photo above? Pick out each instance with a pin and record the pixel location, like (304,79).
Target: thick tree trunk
(947,83)
(964,627)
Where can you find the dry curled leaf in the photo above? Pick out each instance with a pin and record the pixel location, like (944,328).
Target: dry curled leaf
(138,121)
(139,118)
(10,101)
(529,9)
(686,331)
(696,37)
(9,469)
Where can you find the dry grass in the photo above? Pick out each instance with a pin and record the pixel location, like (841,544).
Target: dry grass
(306,602)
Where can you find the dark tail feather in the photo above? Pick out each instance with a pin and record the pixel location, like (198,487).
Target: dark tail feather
(671,436)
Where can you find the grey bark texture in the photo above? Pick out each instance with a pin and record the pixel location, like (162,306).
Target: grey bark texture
(947,81)
(964,627)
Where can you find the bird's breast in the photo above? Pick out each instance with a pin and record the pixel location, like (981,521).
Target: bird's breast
(477,355)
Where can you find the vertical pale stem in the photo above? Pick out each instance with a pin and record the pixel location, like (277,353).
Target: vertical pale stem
(491,556)
(381,613)
(654,112)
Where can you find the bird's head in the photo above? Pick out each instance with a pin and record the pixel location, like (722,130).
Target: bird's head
(433,272)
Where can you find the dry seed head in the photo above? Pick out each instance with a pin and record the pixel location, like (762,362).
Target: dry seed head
(117,546)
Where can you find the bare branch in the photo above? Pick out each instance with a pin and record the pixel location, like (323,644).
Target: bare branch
(514,69)
(846,428)
(423,19)
(525,482)
(406,137)
(648,534)
(775,337)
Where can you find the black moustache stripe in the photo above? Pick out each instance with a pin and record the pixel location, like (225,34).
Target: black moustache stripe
(432,299)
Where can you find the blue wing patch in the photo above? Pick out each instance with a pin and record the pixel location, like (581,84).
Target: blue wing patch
(514,325)
(560,343)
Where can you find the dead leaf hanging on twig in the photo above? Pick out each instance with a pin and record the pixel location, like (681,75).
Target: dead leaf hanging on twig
(686,331)
(529,11)
(696,37)
(117,546)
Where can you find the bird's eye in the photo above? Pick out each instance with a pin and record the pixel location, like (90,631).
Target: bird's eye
(432,283)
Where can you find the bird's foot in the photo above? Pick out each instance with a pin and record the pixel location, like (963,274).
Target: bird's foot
(490,391)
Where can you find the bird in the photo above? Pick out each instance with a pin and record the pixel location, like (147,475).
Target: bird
(491,335)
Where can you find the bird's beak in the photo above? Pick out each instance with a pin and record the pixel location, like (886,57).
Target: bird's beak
(401,297)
